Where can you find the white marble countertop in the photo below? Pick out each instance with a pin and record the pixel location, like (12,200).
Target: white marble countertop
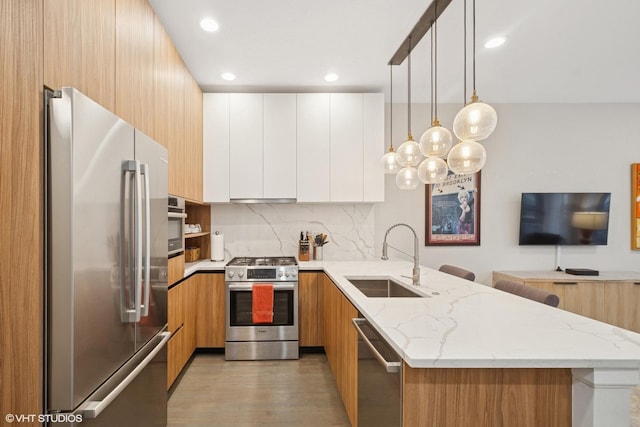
(465,324)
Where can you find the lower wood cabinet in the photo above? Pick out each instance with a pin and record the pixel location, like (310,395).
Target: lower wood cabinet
(195,317)
(181,319)
(310,309)
(341,344)
(606,297)
(210,310)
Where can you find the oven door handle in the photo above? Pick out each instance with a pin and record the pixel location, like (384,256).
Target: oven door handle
(249,286)
(177,215)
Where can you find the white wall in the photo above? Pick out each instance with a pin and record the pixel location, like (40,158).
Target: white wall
(535,148)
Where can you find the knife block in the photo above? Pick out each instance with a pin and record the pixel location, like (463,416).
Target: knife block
(303,250)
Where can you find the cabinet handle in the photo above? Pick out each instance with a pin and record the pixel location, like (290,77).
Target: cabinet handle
(636,283)
(565,283)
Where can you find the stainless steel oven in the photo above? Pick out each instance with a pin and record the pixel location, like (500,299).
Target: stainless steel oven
(247,339)
(176,225)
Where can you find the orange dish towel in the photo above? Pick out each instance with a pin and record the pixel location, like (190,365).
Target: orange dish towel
(262,302)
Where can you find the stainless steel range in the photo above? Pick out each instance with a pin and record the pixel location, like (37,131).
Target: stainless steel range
(248,337)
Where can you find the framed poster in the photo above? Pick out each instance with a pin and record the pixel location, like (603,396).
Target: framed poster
(453,211)
(635,206)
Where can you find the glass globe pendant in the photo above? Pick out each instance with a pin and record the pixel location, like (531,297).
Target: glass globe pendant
(475,121)
(409,152)
(467,157)
(432,170)
(436,141)
(407,178)
(391,162)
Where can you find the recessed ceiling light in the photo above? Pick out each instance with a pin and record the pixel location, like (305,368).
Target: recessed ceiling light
(209,25)
(331,77)
(495,42)
(228,76)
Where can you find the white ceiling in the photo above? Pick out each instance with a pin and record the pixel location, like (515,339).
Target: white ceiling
(556,50)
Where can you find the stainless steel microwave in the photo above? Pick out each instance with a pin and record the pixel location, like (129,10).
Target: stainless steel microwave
(176,225)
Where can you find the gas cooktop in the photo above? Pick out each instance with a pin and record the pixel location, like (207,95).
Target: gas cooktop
(263,261)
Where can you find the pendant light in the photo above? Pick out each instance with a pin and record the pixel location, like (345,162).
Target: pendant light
(409,151)
(437,140)
(467,156)
(391,159)
(477,120)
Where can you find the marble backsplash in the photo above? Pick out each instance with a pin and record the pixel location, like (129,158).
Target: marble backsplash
(274,229)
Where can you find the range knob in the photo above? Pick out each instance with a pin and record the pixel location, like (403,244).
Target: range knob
(280,273)
(230,273)
(287,274)
(241,274)
(294,273)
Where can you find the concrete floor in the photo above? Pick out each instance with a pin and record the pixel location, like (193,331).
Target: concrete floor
(213,392)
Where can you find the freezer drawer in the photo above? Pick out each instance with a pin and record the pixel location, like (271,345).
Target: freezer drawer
(131,398)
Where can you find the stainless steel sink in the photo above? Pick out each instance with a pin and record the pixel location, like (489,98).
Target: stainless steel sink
(383,288)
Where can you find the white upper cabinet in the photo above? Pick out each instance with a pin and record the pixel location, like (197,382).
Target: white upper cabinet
(279,145)
(373,128)
(314,147)
(347,148)
(246,146)
(215,147)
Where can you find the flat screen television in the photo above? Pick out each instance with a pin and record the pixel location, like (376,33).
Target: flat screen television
(564,218)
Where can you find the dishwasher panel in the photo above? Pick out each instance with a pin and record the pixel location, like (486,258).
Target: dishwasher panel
(379,379)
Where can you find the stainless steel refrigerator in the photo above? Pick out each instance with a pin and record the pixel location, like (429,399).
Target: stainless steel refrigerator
(106,254)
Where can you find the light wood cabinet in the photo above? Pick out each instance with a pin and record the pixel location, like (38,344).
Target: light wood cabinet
(21,275)
(210,310)
(134,64)
(621,300)
(611,297)
(175,267)
(198,213)
(310,309)
(181,319)
(192,167)
(341,344)
(80,47)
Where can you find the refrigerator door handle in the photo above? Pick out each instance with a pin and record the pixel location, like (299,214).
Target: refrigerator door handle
(147,241)
(93,408)
(131,312)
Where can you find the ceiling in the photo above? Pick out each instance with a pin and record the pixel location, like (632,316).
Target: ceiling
(569,51)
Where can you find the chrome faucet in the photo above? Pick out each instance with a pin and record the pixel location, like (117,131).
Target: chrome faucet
(416,261)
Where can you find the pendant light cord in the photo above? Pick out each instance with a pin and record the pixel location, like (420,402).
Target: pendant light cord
(464,32)
(474,47)
(431,76)
(435,64)
(391,107)
(409,91)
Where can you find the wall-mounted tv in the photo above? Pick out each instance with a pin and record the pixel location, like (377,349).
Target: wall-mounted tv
(564,218)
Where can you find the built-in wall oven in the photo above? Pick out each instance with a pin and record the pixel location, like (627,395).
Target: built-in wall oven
(246,337)
(177,216)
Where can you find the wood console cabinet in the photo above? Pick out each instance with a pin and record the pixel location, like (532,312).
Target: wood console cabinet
(611,297)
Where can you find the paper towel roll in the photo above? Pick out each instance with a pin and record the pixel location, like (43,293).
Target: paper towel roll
(217,246)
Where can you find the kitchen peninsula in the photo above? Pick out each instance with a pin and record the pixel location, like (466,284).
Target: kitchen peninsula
(489,357)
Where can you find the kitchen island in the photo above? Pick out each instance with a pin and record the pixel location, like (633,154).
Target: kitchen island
(495,358)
